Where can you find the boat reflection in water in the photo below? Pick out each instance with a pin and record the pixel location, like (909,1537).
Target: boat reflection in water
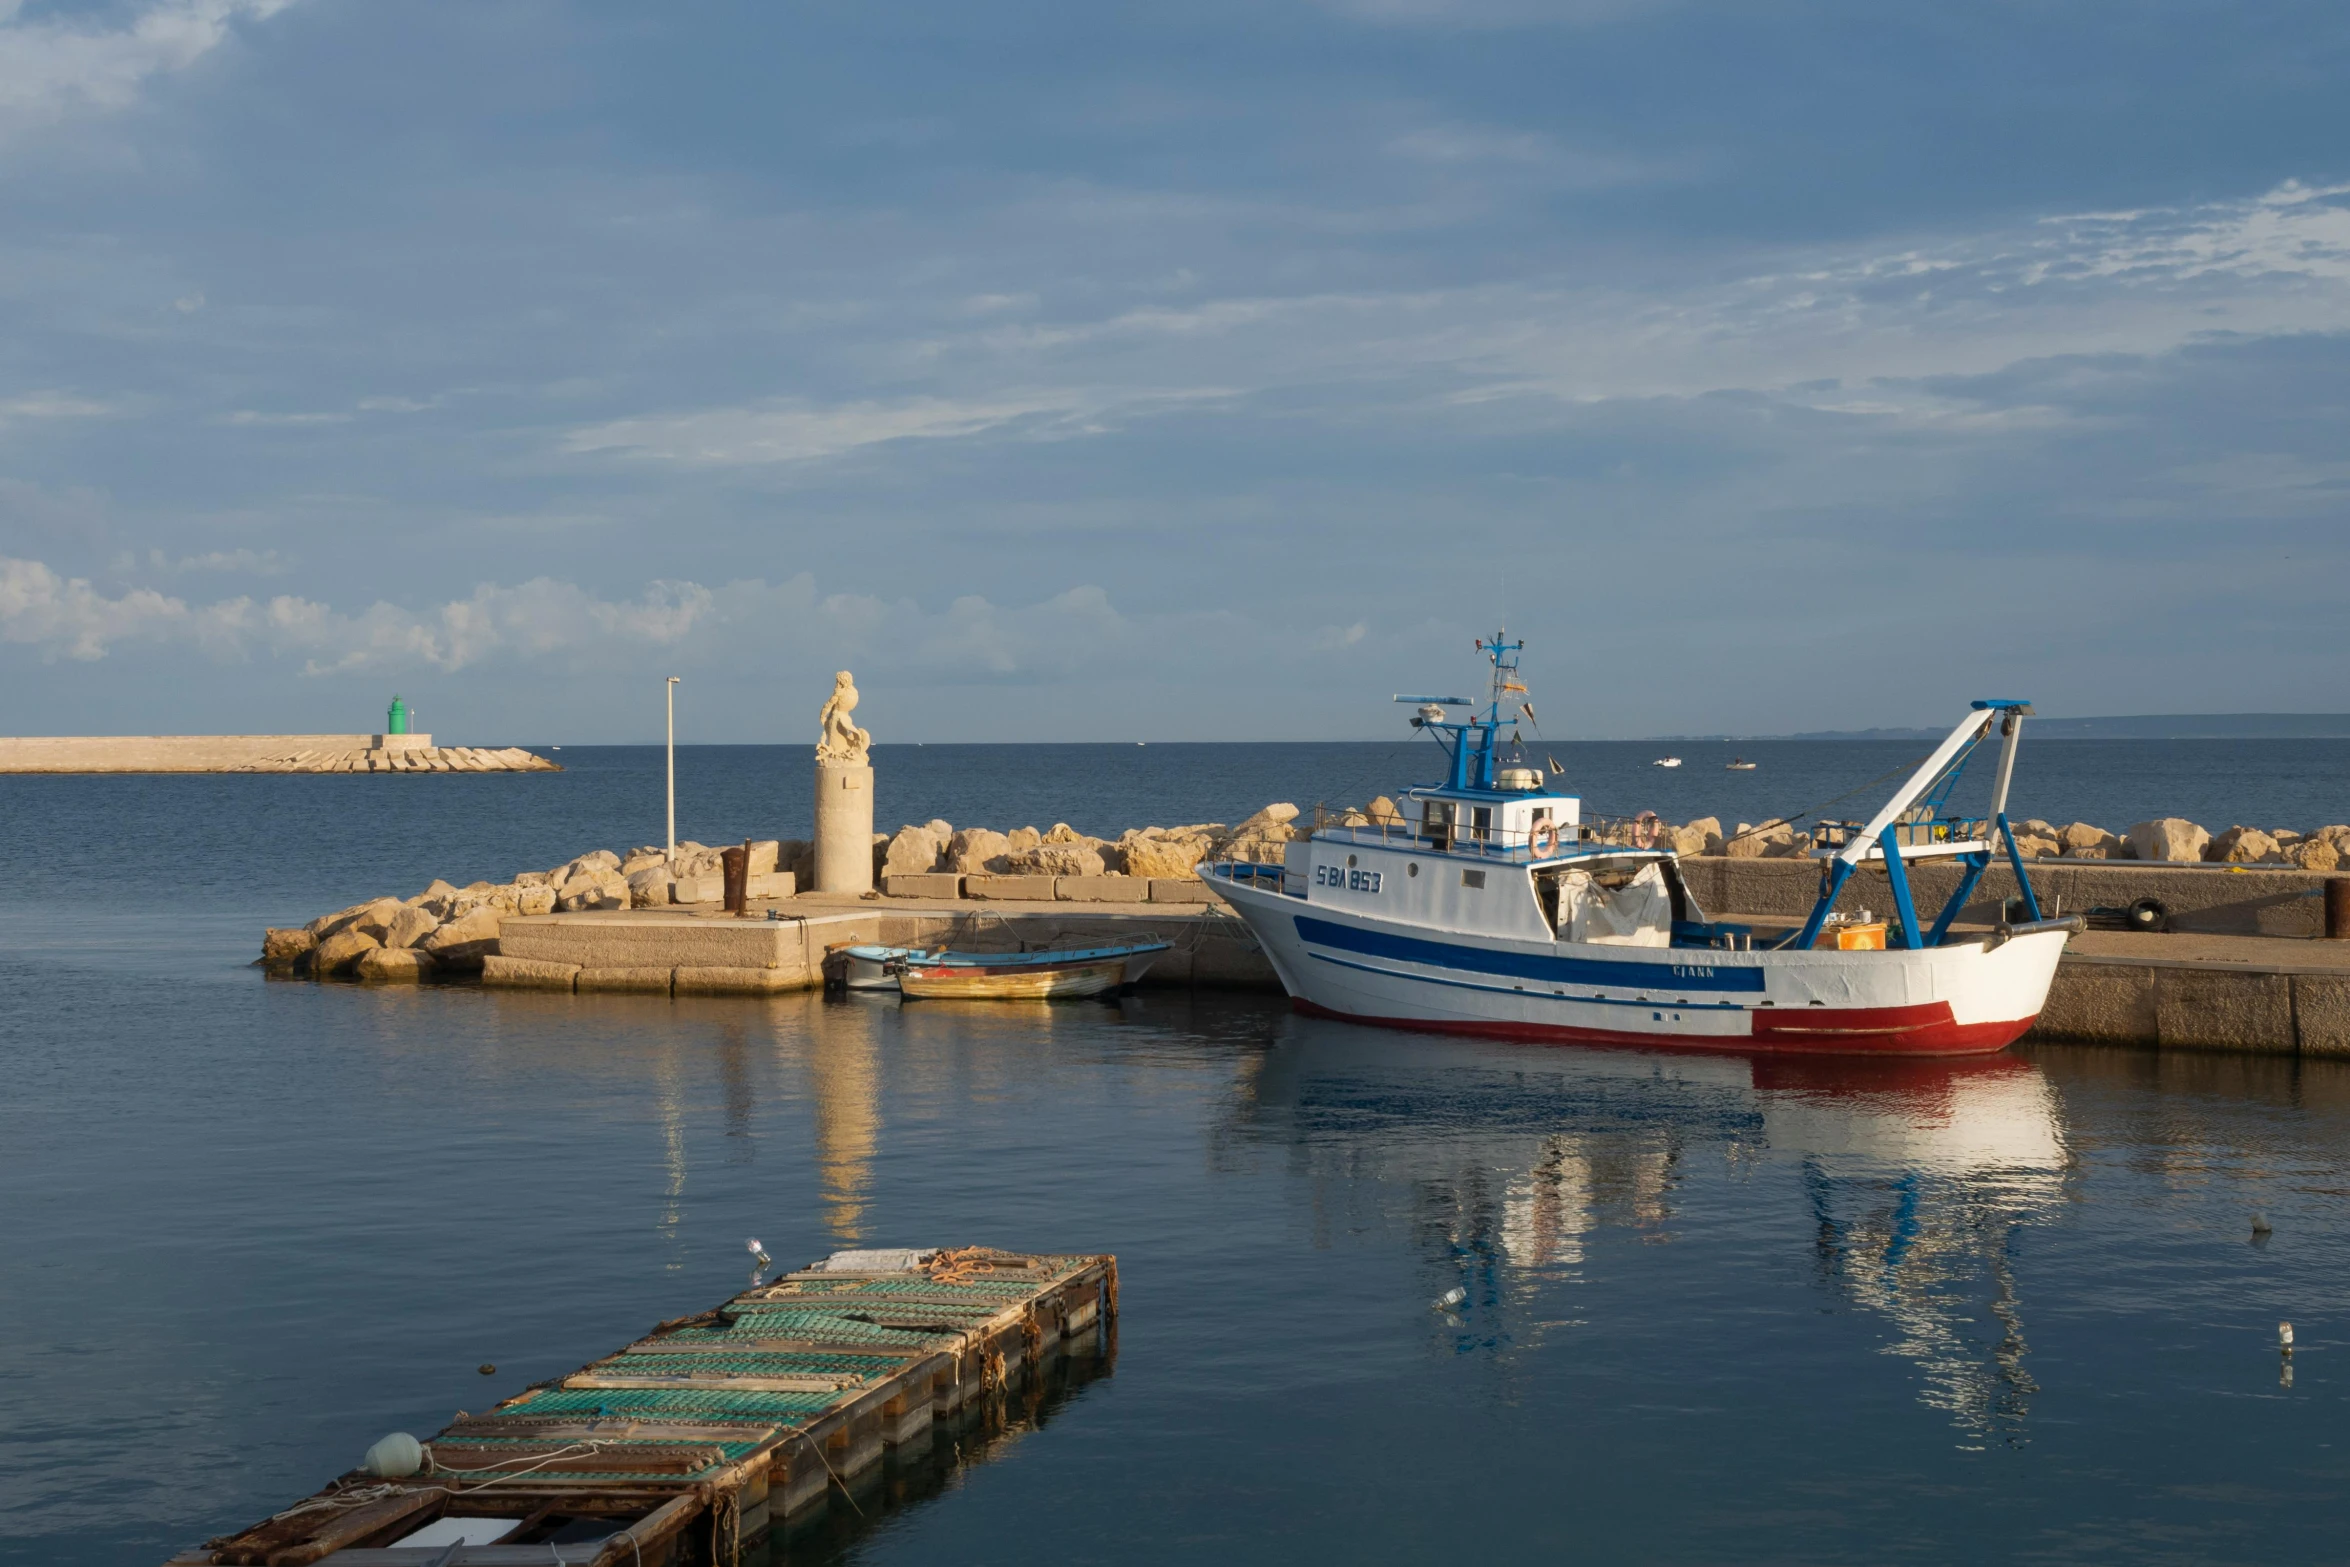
(1905,1184)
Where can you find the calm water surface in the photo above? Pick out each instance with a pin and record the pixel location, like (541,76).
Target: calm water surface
(1716,1310)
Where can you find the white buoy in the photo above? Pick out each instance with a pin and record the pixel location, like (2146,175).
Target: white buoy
(395,1457)
(759,1252)
(2260,1224)
(2285,1337)
(1450,1298)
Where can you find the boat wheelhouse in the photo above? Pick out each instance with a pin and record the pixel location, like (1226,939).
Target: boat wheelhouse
(1492,905)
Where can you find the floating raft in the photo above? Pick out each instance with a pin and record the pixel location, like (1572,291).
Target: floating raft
(696,1438)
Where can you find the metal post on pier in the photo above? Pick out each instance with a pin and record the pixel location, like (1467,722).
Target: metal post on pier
(672,690)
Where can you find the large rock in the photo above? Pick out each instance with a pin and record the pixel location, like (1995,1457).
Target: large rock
(1164,856)
(763,855)
(393,966)
(534,900)
(975,851)
(2243,846)
(1263,839)
(1750,842)
(2315,854)
(1265,821)
(2168,838)
(1057,859)
(649,887)
(1383,813)
(1024,837)
(1062,832)
(282,949)
(438,890)
(338,952)
(2081,841)
(914,851)
(466,939)
(374,916)
(1705,832)
(410,926)
(640,859)
(594,860)
(603,890)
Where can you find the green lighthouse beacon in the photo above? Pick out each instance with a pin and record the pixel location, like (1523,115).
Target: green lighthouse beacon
(396,721)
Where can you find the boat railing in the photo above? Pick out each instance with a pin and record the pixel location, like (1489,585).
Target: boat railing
(1915,831)
(1596,830)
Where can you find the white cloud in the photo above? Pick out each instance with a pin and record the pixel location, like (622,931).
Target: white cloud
(800,432)
(971,639)
(66,617)
(51,67)
(50,405)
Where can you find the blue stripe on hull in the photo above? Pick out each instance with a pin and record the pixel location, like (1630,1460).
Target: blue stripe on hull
(1530,995)
(1537,966)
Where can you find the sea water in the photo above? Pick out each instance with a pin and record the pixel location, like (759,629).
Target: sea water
(1711,1308)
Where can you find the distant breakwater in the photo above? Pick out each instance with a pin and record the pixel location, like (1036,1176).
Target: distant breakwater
(381,753)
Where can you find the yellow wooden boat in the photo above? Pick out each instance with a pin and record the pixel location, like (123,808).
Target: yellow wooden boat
(1024,976)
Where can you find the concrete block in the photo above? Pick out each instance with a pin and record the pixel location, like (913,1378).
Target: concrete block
(1181,889)
(1102,889)
(2206,1009)
(2107,1003)
(528,973)
(737,981)
(2321,1013)
(699,889)
(649,979)
(672,940)
(772,884)
(1034,889)
(926,884)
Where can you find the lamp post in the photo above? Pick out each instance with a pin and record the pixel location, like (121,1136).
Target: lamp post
(672,691)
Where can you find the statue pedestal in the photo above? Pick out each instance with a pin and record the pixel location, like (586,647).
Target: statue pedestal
(844,826)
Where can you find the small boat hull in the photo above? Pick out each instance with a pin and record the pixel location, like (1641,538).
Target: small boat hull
(869,967)
(1026,976)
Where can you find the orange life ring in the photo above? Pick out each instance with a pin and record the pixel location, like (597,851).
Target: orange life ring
(1544,840)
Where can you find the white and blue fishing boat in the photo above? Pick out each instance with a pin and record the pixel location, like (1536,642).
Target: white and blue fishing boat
(1494,908)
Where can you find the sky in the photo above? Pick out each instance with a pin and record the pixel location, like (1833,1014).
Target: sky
(1210,370)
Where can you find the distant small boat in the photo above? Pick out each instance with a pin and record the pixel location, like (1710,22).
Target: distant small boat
(1666,761)
(1738,765)
(1023,976)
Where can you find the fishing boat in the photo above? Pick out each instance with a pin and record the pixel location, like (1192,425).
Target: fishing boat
(1023,976)
(1738,764)
(1495,908)
(1666,761)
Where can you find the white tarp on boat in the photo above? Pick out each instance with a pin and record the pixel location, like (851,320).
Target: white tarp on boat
(1639,915)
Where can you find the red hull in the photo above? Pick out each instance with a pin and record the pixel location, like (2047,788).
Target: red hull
(1817,1031)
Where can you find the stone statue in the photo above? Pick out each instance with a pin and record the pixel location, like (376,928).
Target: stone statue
(841,740)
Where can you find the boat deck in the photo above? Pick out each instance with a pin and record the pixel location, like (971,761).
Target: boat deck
(689,1443)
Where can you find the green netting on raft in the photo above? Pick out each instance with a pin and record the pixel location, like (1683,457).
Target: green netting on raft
(671,1401)
(754,1362)
(829,1326)
(993,1296)
(751,1363)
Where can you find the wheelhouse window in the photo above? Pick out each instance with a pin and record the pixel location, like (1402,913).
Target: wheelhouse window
(1436,822)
